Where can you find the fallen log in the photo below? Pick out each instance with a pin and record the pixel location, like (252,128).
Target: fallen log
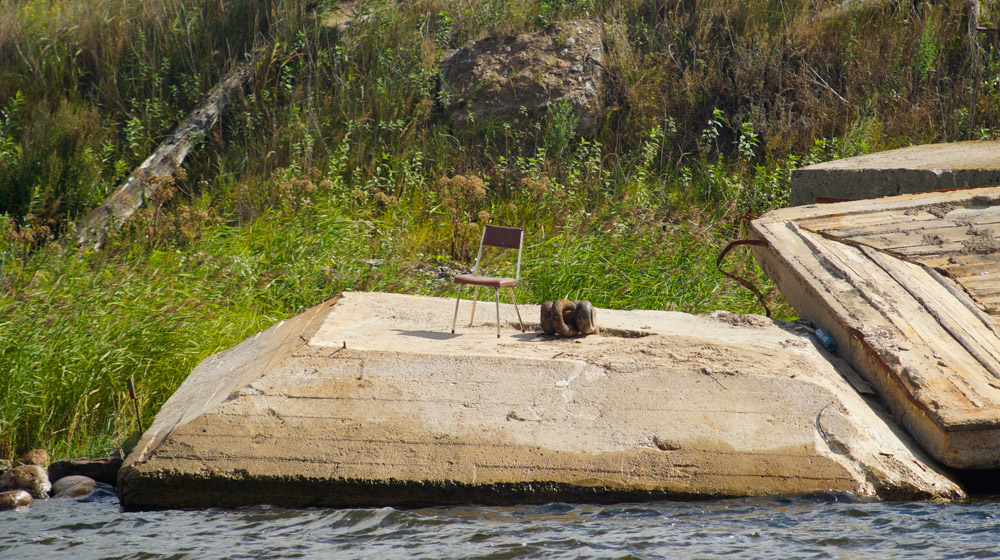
(164,161)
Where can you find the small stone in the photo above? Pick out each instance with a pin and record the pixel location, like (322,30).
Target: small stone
(73,486)
(578,68)
(38,457)
(102,469)
(15,498)
(32,478)
(570,42)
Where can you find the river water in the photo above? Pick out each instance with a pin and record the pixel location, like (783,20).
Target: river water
(821,526)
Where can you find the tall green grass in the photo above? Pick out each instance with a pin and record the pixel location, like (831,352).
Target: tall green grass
(74,327)
(337,171)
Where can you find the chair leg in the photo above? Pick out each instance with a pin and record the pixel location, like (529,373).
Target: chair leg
(513,299)
(457,301)
(498,312)
(475,295)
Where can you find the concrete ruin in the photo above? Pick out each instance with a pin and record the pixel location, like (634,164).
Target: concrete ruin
(917,169)
(368,400)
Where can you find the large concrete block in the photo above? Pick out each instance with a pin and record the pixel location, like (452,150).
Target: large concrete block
(917,169)
(369,400)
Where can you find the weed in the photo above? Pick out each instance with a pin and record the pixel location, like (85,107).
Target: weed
(336,156)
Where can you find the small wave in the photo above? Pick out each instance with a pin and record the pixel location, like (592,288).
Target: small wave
(782,527)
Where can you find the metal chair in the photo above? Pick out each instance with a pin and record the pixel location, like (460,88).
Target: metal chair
(503,238)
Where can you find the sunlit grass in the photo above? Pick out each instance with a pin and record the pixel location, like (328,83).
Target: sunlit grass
(337,171)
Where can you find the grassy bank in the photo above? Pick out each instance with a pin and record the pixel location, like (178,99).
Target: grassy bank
(337,172)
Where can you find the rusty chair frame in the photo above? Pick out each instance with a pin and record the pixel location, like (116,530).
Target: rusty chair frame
(501,238)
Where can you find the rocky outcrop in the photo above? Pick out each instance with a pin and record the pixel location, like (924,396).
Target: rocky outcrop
(508,78)
(367,400)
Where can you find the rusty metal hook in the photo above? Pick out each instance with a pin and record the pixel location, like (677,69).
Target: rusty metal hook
(743,282)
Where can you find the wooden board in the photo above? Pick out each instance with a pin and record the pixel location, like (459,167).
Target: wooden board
(910,288)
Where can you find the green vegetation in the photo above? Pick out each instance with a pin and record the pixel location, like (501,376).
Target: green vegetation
(337,172)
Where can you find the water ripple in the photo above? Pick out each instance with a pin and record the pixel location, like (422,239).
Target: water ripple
(817,526)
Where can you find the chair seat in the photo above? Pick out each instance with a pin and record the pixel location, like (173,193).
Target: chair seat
(492,281)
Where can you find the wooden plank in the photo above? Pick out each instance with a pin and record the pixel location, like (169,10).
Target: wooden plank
(965,299)
(981,284)
(914,292)
(902,221)
(966,327)
(926,345)
(933,237)
(931,244)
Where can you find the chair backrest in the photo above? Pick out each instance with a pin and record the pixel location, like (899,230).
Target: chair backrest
(505,238)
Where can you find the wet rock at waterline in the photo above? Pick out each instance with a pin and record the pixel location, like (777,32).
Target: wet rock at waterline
(102,469)
(73,486)
(510,78)
(15,498)
(38,457)
(32,478)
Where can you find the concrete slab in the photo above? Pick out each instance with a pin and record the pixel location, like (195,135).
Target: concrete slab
(917,169)
(367,399)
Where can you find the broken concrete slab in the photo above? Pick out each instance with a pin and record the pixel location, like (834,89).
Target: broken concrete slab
(910,288)
(917,169)
(508,78)
(368,400)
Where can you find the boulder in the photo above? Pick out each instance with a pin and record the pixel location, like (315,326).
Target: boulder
(32,478)
(38,457)
(505,77)
(73,486)
(15,498)
(102,469)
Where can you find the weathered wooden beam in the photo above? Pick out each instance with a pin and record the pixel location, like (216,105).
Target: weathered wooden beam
(871,273)
(164,161)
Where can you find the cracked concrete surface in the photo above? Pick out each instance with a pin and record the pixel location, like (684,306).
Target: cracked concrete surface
(369,400)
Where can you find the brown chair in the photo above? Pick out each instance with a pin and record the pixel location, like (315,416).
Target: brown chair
(503,238)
